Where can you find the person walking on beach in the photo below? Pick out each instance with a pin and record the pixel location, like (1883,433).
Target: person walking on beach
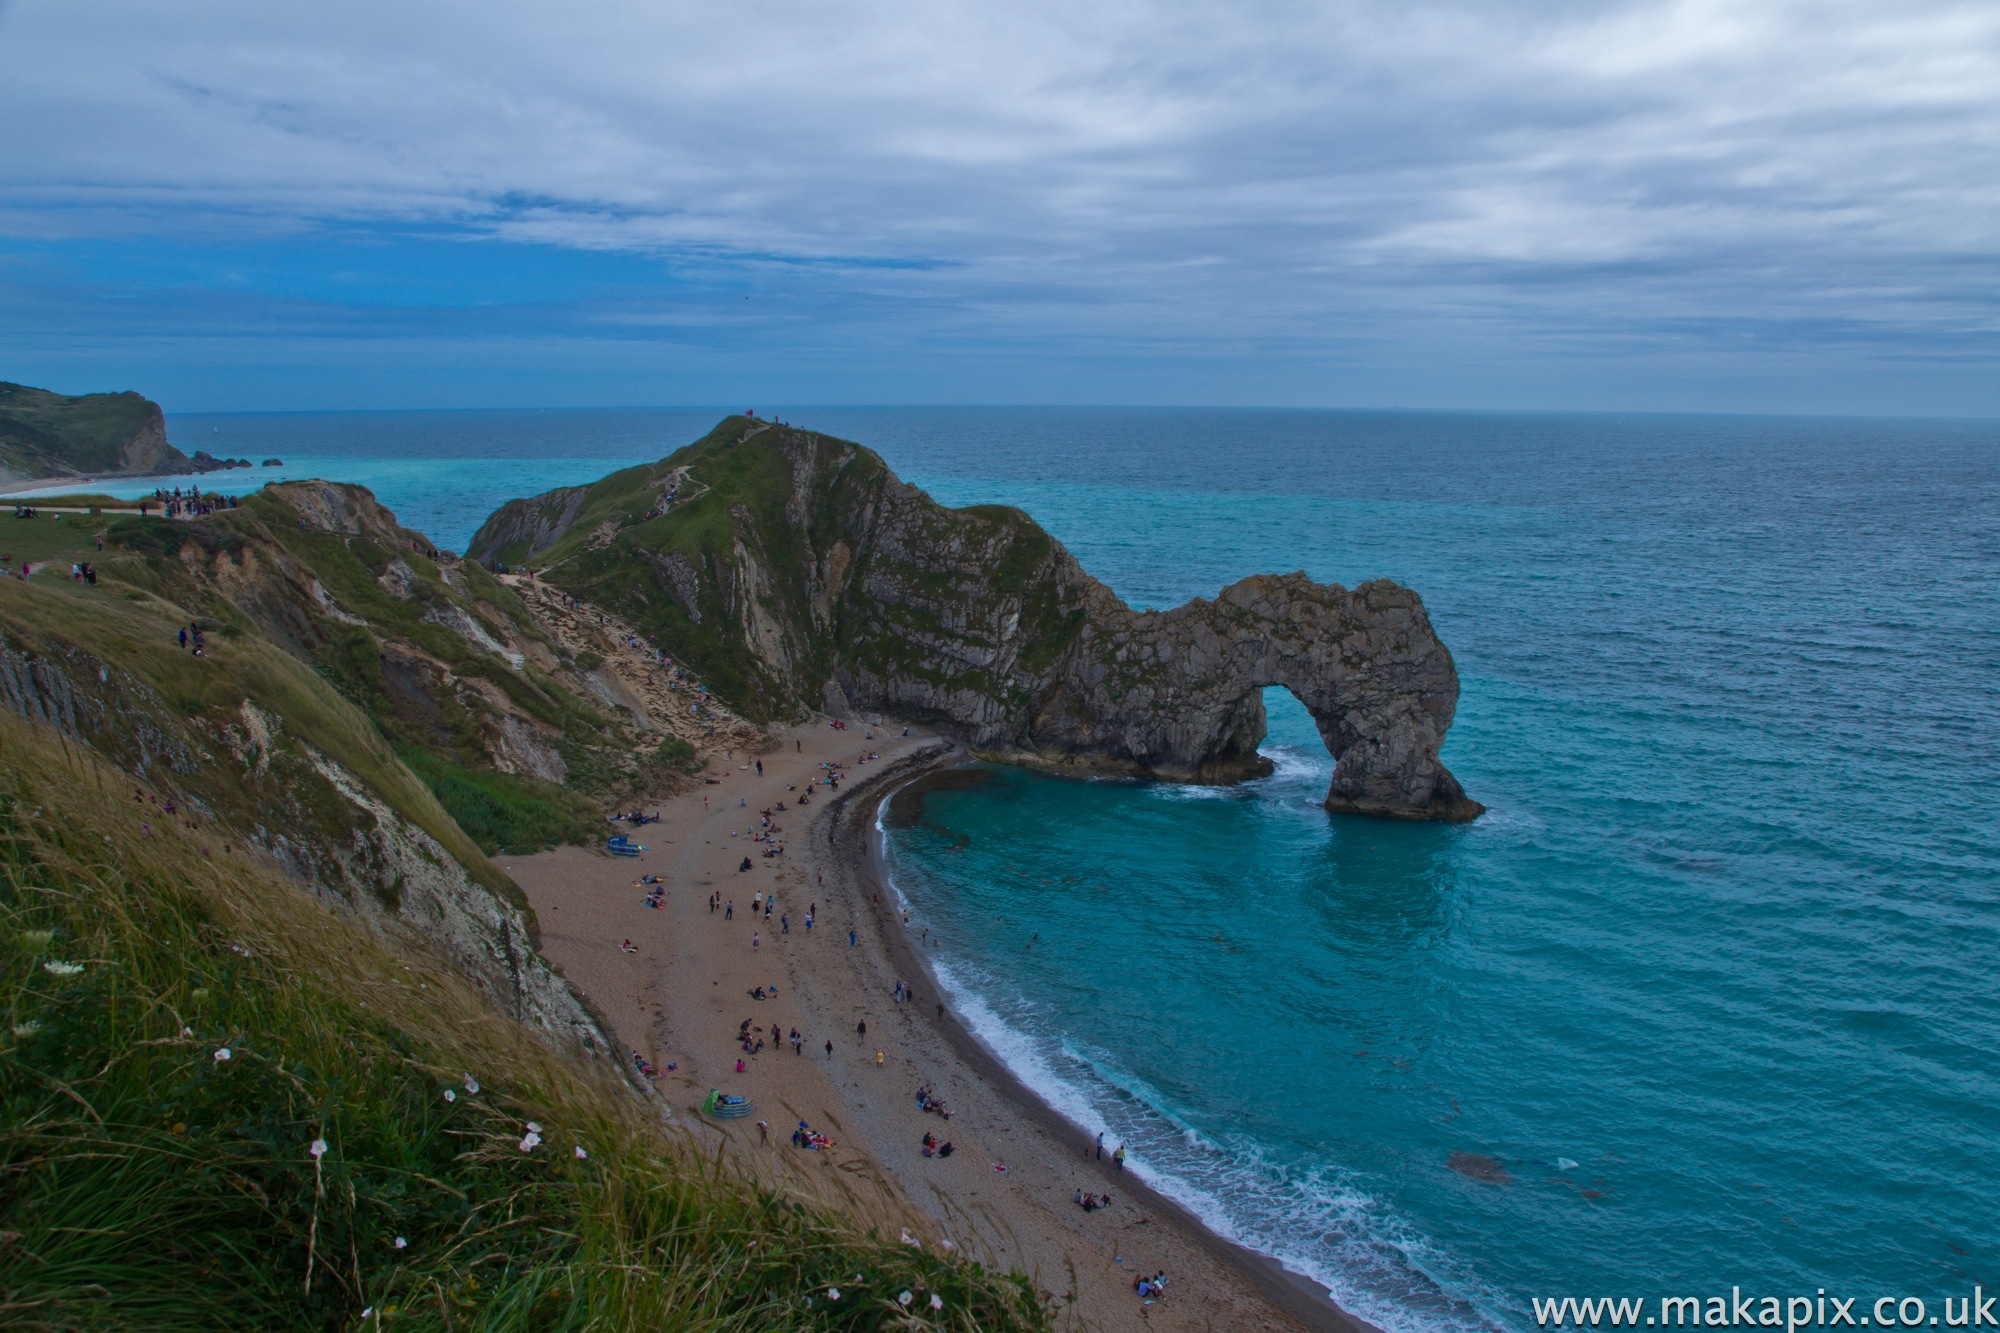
(729,910)
(851,941)
(1100,1146)
(861,1028)
(829,1048)
(756,941)
(879,1057)
(1118,1159)
(760,768)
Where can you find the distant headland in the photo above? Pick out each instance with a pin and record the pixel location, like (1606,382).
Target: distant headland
(53,437)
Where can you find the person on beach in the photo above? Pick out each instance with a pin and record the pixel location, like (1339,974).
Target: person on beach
(829,1048)
(851,940)
(1118,1159)
(729,912)
(1100,1147)
(879,1057)
(756,941)
(861,1028)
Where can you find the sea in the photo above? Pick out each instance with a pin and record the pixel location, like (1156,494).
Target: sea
(1707,1001)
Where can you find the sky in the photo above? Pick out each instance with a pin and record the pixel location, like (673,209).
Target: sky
(1660,205)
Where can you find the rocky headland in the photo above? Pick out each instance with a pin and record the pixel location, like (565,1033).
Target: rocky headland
(54,437)
(797,572)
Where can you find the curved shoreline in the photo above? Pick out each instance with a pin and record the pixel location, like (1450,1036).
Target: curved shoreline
(847,836)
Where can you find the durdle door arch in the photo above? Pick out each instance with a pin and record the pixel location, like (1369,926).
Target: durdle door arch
(1178,694)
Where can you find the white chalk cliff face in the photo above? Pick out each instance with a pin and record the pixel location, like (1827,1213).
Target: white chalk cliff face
(805,572)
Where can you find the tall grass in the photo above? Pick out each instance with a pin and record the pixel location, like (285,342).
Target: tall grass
(148,1181)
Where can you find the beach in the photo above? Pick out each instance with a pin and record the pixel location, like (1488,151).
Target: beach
(684,995)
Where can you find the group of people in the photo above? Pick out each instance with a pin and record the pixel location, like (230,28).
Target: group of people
(666,503)
(932,1148)
(84,572)
(191,634)
(647,1069)
(806,1137)
(193,504)
(1090,1203)
(1150,1286)
(928,1101)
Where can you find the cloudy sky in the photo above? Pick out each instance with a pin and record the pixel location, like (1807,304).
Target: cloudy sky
(1760,205)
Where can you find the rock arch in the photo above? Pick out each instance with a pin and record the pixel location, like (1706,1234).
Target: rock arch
(1178,694)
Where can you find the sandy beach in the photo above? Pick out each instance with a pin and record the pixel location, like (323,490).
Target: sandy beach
(684,995)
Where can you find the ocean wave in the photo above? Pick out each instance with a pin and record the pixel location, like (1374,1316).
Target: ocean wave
(1314,1219)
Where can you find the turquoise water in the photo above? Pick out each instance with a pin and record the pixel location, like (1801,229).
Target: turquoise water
(1726,939)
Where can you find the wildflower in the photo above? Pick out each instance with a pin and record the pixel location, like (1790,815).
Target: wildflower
(904,1298)
(534,1128)
(833,1293)
(528,1143)
(580,1153)
(318,1148)
(450,1096)
(937,1301)
(402,1244)
(369,1311)
(187,1032)
(912,1241)
(471,1085)
(62,969)
(26,1029)
(221,1055)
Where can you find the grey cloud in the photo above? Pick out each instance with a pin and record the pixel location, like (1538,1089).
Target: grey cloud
(1204,172)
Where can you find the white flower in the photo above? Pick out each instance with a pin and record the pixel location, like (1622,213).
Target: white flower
(221,1055)
(580,1153)
(318,1148)
(187,1032)
(365,1313)
(833,1293)
(471,1084)
(904,1298)
(528,1143)
(937,1301)
(912,1241)
(62,969)
(27,1029)
(402,1244)
(450,1096)
(534,1128)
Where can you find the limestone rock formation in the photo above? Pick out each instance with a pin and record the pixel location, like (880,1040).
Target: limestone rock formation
(795,571)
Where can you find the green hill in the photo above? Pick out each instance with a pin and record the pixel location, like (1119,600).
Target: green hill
(50,436)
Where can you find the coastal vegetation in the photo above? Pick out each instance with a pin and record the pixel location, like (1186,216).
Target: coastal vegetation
(223,1106)
(53,435)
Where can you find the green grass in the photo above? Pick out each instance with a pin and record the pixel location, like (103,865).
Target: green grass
(147,1184)
(503,812)
(42,433)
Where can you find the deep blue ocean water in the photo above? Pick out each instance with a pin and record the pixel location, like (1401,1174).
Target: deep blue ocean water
(1714,980)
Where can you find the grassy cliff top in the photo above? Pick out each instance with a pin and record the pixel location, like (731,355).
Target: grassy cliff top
(45,434)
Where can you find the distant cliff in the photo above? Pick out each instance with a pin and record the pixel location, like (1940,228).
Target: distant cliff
(46,435)
(795,570)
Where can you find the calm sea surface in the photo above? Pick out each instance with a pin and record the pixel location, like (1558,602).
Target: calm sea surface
(1715,979)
